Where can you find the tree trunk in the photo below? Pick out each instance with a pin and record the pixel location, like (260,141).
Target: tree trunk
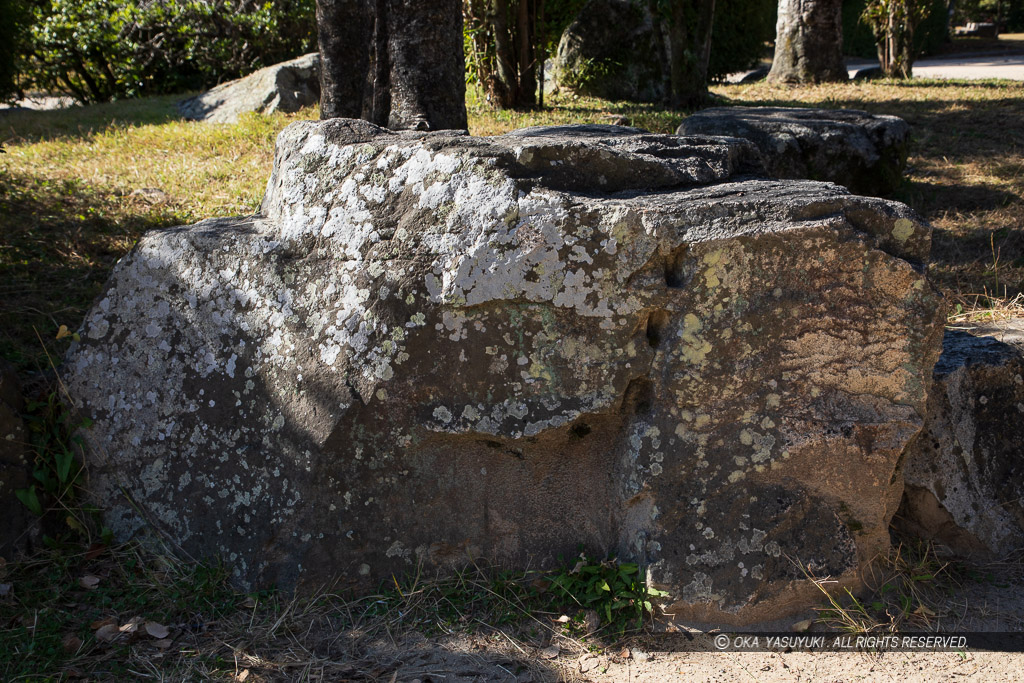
(428,68)
(689,47)
(394,62)
(344,33)
(809,42)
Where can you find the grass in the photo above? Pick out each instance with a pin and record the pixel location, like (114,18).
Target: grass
(71,613)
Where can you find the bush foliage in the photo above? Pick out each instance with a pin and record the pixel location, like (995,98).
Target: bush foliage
(99,50)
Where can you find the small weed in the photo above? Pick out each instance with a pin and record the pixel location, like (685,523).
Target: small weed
(616,591)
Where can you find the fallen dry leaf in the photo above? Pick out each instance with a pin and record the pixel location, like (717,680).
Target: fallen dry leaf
(242,676)
(89,582)
(163,643)
(588,662)
(562,619)
(95,550)
(100,623)
(108,633)
(132,625)
(802,626)
(625,654)
(550,652)
(156,630)
(71,643)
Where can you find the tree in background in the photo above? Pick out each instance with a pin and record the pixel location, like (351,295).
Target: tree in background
(407,54)
(808,42)
(689,50)
(507,48)
(893,22)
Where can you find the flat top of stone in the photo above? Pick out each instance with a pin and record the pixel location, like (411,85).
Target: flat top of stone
(580,158)
(986,345)
(803,115)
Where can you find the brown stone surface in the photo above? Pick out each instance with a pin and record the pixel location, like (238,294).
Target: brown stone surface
(431,347)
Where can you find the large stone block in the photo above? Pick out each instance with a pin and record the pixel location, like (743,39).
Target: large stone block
(965,475)
(864,152)
(432,347)
(287,87)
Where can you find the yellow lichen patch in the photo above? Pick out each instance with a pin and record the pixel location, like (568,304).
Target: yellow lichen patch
(903,230)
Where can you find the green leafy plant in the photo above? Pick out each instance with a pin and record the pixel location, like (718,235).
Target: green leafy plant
(616,591)
(100,50)
(893,23)
(57,471)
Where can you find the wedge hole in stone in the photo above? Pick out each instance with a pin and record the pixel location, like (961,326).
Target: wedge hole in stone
(580,430)
(657,323)
(677,272)
(639,396)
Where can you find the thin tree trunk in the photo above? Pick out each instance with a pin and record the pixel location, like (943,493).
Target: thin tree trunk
(503,90)
(380,107)
(542,53)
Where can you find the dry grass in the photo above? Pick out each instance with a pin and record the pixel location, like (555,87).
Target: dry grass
(478,624)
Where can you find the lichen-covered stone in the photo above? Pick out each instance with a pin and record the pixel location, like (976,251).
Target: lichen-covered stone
(965,474)
(287,87)
(14,466)
(432,347)
(864,152)
(613,49)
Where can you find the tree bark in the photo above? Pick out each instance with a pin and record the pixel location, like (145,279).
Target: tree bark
(428,68)
(397,63)
(689,47)
(344,34)
(809,42)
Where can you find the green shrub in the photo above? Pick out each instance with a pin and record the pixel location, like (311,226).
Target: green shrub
(100,50)
(859,41)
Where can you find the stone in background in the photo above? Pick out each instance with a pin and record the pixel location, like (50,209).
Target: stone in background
(965,474)
(863,152)
(287,87)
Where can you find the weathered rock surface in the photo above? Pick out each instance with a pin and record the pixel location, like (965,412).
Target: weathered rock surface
(965,474)
(613,50)
(430,347)
(288,87)
(14,466)
(863,152)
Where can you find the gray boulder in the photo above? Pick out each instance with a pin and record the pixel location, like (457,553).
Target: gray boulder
(15,518)
(965,474)
(288,87)
(614,50)
(864,152)
(430,347)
